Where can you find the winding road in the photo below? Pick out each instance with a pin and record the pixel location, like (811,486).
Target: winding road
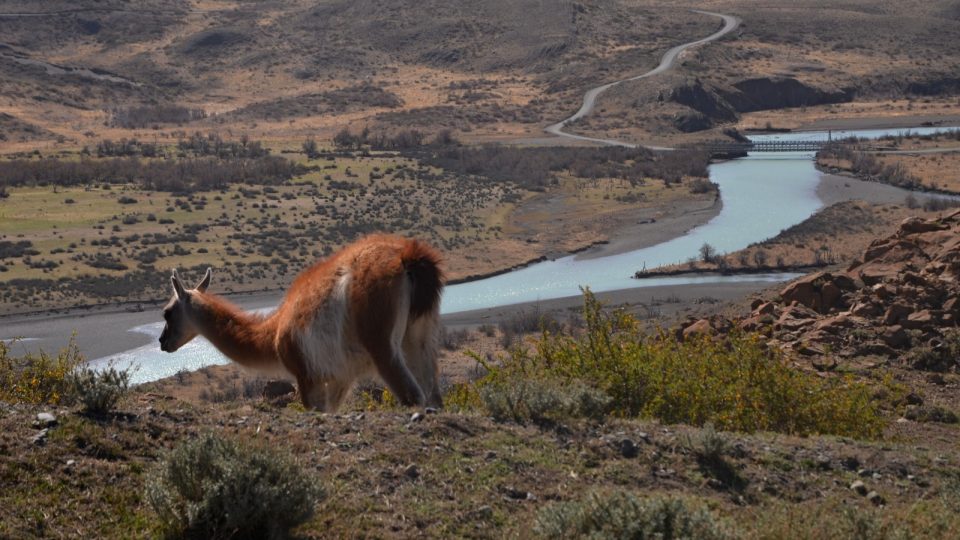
(669,59)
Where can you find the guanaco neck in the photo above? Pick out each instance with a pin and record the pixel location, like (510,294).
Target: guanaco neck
(245,338)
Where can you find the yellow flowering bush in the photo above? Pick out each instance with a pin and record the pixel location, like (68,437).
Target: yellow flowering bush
(37,378)
(734,381)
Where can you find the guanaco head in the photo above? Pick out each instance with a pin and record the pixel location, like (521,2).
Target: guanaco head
(180,327)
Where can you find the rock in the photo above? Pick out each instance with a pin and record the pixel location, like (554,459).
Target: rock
(45,419)
(859,487)
(830,296)
(485,512)
(766,308)
(850,463)
(275,389)
(915,225)
(884,291)
(795,318)
(40,438)
(804,291)
(920,319)
(808,349)
(699,328)
(866,309)
(629,449)
(876,498)
(411,471)
(895,313)
(895,336)
(519,494)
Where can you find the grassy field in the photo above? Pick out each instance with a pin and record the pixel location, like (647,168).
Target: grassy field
(259,236)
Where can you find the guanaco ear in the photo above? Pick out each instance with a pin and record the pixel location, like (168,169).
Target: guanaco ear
(177,285)
(205,282)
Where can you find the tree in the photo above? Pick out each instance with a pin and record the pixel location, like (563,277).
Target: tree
(310,149)
(760,258)
(707,253)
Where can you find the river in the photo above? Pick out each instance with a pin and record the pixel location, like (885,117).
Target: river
(762,195)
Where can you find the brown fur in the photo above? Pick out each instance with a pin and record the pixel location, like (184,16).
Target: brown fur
(381,269)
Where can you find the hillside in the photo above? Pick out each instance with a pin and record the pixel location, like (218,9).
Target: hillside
(504,63)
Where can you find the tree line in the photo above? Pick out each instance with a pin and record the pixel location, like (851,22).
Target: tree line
(182,175)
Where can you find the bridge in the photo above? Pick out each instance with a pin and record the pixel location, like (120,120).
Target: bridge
(741,148)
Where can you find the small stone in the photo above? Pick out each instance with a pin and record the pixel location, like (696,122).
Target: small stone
(519,494)
(71,462)
(416,417)
(628,449)
(40,438)
(45,419)
(482,513)
(850,463)
(859,487)
(875,498)
(276,389)
(876,476)
(411,471)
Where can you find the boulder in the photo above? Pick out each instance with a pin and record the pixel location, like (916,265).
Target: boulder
(699,328)
(916,225)
(920,320)
(895,336)
(895,313)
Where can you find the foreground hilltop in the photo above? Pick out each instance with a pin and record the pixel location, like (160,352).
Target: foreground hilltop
(597,427)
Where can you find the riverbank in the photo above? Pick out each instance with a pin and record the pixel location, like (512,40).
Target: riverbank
(854,213)
(103,330)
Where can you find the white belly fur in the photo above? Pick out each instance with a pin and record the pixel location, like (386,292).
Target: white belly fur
(325,345)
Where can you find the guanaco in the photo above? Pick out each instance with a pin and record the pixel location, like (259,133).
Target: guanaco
(372,307)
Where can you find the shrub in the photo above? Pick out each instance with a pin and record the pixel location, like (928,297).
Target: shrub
(543,402)
(37,378)
(215,488)
(735,381)
(99,391)
(623,515)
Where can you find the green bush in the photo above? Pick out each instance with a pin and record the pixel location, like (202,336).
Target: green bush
(214,488)
(38,378)
(623,515)
(98,391)
(735,381)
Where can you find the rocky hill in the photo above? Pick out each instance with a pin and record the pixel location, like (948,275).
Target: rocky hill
(899,302)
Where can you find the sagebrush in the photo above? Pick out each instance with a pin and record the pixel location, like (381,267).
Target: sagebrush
(216,488)
(624,515)
(98,391)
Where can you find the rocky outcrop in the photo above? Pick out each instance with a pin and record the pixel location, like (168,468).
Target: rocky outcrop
(779,93)
(713,104)
(900,301)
